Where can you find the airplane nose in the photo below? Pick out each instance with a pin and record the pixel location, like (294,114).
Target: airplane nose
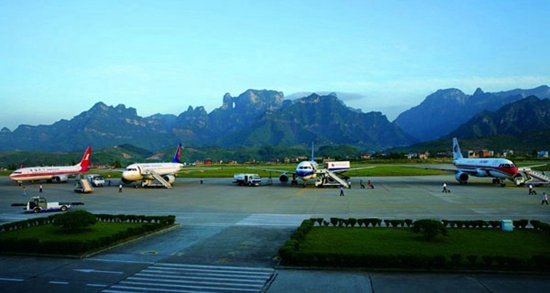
(126,175)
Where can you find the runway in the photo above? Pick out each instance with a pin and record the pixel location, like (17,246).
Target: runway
(237,231)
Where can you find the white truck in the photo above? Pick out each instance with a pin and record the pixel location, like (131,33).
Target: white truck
(39,204)
(96,180)
(337,166)
(247,179)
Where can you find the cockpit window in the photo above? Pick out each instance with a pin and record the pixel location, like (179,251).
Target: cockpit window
(507,165)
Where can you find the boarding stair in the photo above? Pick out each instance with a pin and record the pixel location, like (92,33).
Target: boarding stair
(82,185)
(160,180)
(329,178)
(535,175)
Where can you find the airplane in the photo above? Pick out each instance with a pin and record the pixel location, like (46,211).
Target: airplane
(498,168)
(308,170)
(149,172)
(53,173)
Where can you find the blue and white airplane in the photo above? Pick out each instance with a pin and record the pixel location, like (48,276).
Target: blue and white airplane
(309,170)
(148,172)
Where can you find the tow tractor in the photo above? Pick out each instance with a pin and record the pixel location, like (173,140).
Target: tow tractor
(39,204)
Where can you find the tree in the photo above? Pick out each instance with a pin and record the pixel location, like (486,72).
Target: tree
(429,228)
(75,221)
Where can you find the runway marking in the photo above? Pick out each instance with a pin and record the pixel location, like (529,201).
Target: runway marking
(120,261)
(12,279)
(97,285)
(170,277)
(97,271)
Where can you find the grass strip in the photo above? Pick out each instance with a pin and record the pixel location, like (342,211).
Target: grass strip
(394,241)
(52,233)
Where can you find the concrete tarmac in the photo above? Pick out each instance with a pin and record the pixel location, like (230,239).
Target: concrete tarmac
(229,236)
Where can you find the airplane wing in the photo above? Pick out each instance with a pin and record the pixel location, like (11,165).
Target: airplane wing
(351,169)
(274,170)
(189,170)
(448,168)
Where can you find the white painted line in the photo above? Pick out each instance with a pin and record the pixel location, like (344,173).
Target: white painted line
(97,271)
(59,282)
(12,279)
(97,285)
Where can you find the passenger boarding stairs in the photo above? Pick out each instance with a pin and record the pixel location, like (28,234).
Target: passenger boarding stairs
(83,185)
(531,174)
(160,180)
(329,178)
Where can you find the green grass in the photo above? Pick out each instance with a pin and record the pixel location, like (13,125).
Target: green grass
(402,241)
(51,232)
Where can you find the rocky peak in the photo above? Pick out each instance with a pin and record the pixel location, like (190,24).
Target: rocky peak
(478,92)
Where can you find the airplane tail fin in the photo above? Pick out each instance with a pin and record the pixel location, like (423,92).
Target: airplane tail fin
(456,150)
(85,161)
(177,155)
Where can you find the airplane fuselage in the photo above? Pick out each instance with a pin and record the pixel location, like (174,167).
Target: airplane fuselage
(307,170)
(136,172)
(488,167)
(44,173)
(57,173)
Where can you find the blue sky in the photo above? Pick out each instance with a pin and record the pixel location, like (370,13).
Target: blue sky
(58,58)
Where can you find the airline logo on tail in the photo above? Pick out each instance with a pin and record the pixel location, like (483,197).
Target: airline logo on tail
(456,150)
(177,155)
(85,161)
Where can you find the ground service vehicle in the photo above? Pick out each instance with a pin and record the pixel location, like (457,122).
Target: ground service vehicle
(247,179)
(96,180)
(39,204)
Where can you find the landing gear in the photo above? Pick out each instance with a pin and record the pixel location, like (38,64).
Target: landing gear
(499,181)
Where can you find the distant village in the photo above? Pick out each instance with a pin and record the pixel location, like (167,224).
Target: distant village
(368,156)
(472,154)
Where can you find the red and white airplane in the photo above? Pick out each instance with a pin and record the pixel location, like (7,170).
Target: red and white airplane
(498,168)
(52,173)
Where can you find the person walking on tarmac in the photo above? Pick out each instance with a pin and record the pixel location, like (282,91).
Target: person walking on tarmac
(369,183)
(445,190)
(341,190)
(361,183)
(531,190)
(544,199)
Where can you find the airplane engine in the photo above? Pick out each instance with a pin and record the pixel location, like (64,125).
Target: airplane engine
(283,178)
(61,178)
(462,177)
(169,178)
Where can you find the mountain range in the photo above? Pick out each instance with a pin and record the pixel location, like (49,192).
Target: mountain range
(258,118)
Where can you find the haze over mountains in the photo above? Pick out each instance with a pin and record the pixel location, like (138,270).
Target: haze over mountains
(264,117)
